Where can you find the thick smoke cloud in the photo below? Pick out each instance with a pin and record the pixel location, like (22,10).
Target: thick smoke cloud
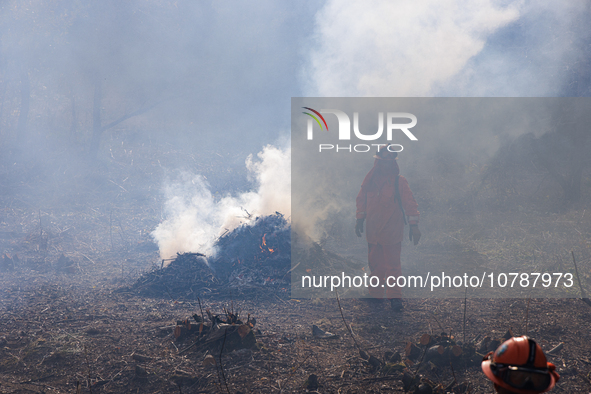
(384,48)
(195,217)
(545,52)
(449,48)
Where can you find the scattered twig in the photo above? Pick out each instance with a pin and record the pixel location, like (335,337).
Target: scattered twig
(581,218)
(87,369)
(37,379)
(556,348)
(189,347)
(347,325)
(421,360)
(170,295)
(201,309)
(292,268)
(231,302)
(527,313)
(292,373)
(42,385)
(577,272)
(464,327)
(378,379)
(89,259)
(449,386)
(111,229)
(276,296)
(248,215)
(585,299)
(437,321)
(221,365)
(122,188)
(139,111)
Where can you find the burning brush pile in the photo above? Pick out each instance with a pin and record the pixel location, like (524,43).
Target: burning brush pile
(255,255)
(251,256)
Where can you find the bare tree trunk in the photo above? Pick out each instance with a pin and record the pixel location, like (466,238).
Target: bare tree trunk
(4,86)
(21,127)
(97,128)
(74,123)
(574,190)
(96,118)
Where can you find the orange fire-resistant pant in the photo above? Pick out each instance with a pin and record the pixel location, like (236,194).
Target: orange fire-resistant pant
(384,261)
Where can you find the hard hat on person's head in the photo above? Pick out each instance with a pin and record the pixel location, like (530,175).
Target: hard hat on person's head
(384,154)
(520,366)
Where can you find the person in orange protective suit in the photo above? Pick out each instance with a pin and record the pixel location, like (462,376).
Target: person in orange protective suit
(383,201)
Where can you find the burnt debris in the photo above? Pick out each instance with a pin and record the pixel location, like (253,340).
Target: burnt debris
(252,256)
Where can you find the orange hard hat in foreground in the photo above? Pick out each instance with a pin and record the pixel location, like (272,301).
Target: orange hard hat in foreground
(519,365)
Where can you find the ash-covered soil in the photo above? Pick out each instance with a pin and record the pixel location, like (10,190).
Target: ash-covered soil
(57,334)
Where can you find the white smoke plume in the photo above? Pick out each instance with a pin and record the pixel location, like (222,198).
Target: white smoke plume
(400,48)
(195,218)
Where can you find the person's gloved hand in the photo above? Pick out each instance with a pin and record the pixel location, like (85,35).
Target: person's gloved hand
(359,227)
(414,234)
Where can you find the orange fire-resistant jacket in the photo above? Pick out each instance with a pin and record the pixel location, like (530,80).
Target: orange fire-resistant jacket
(377,204)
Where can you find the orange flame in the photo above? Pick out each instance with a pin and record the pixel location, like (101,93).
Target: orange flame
(271,250)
